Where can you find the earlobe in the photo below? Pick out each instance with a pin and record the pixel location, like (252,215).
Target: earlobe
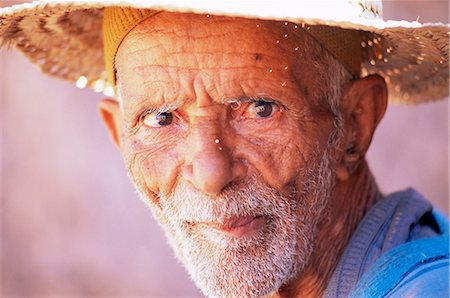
(112,118)
(363,105)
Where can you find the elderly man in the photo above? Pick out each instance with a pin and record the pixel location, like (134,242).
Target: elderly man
(247,139)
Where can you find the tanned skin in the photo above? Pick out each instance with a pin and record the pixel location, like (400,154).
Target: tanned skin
(162,65)
(356,189)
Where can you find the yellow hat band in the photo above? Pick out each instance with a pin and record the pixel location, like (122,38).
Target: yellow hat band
(117,23)
(343,44)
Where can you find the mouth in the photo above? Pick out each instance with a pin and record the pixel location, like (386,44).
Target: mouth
(239,227)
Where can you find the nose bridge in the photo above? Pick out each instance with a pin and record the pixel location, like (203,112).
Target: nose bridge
(206,131)
(209,160)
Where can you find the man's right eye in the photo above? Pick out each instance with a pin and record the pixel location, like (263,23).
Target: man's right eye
(157,119)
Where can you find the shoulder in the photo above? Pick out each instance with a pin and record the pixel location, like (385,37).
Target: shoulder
(415,269)
(426,280)
(427,275)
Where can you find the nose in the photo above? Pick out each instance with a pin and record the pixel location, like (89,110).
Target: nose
(209,161)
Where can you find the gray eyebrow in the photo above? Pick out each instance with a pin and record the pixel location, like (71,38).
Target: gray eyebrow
(250,99)
(164,107)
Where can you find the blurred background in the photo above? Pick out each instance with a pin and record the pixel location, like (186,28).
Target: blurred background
(71,223)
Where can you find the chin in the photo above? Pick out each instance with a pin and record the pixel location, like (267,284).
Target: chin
(252,259)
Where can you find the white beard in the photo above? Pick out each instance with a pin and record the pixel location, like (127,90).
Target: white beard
(223,266)
(254,266)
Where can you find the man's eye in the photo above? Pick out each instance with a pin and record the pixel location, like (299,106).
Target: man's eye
(262,108)
(157,119)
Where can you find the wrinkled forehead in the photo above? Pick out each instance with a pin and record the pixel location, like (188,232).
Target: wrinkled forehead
(212,35)
(215,45)
(176,27)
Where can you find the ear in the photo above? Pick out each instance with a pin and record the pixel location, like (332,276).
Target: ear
(112,118)
(363,104)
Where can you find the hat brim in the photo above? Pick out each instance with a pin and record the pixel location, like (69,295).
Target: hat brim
(64,38)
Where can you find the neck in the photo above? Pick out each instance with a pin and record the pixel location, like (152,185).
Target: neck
(347,207)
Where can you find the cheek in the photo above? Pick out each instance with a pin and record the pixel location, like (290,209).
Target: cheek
(283,155)
(291,151)
(153,165)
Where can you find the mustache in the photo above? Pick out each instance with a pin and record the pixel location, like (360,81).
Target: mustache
(250,198)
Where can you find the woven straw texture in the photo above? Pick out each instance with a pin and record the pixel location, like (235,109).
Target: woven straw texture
(65,41)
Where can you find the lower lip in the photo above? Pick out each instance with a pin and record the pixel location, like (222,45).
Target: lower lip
(247,228)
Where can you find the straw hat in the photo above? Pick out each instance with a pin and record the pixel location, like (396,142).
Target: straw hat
(64,38)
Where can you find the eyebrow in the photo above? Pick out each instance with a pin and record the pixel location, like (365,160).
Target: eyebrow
(158,109)
(164,107)
(249,99)
(144,105)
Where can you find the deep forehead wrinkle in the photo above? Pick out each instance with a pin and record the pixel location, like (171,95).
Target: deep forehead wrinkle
(232,53)
(189,25)
(149,69)
(180,48)
(196,59)
(193,26)
(171,33)
(178,38)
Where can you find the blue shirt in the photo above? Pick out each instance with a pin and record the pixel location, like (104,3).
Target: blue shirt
(398,250)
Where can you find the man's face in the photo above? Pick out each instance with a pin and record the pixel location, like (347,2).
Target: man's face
(225,140)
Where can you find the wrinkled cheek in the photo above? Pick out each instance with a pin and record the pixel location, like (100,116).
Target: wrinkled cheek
(290,162)
(153,167)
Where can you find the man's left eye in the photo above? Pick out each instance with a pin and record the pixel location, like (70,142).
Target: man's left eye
(263,109)
(157,119)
